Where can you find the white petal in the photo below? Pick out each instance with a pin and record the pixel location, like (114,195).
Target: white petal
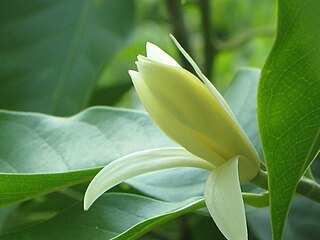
(189,138)
(224,201)
(157,54)
(209,85)
(189,101)
(221,100)
(139,163)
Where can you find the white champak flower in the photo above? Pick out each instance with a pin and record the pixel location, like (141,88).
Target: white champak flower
(194,114)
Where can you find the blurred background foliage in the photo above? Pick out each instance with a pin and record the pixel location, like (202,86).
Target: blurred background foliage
(222,36)
(60,57)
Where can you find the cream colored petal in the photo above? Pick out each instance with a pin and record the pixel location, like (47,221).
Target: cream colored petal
(139,163)
(157,54)
(219,97)
(224,201)
(189,101)
(209,85)
(192,140)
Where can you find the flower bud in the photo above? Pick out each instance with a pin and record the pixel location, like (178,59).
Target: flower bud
(184,109)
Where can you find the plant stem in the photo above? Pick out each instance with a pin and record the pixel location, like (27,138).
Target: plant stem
(309,189)
(261,179)
(244,37)
(208,33)
(179,29)
(256,200)
(309,174)
(306,187)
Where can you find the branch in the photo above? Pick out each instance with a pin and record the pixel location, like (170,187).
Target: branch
(179,28)
(306,187)
(244,37)
(208,33)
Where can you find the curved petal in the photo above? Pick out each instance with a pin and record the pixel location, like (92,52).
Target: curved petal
(224,201)
(189,101)
(205,80)
(193,141)
(157,54)
(139,163)
(218,96)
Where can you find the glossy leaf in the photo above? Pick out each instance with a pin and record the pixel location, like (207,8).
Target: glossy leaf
(66,151)
(37,210)
(52,51)
(172,184)
(85,148)
(113,216)
(289,104)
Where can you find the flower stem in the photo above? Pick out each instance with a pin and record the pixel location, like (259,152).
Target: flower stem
(256,200)
(261,179)
(306,187)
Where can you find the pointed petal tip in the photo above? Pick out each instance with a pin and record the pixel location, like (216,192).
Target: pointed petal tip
(141,58)
(87,200)
(140,162)
(134,75)
(156,54)
(86,205)
(175,41)
(149,44)
(132,72)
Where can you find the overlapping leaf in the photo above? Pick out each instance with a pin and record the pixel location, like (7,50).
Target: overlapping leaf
(71,150)
(289,104)
(113,216)
(303,221)
(66,151)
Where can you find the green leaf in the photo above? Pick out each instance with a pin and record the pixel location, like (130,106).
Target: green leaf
(183,183)
(289,104)
(66,151)
(173,184)
(52,51)
(4,215)
(38,210)
(203,228)
(113,216)
(303,221)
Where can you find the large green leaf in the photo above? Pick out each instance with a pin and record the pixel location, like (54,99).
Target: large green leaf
(289,104)
(183,183)
(52,51)
(303,221)
(113,216)
(66,151)
(37,210)
(40,153)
